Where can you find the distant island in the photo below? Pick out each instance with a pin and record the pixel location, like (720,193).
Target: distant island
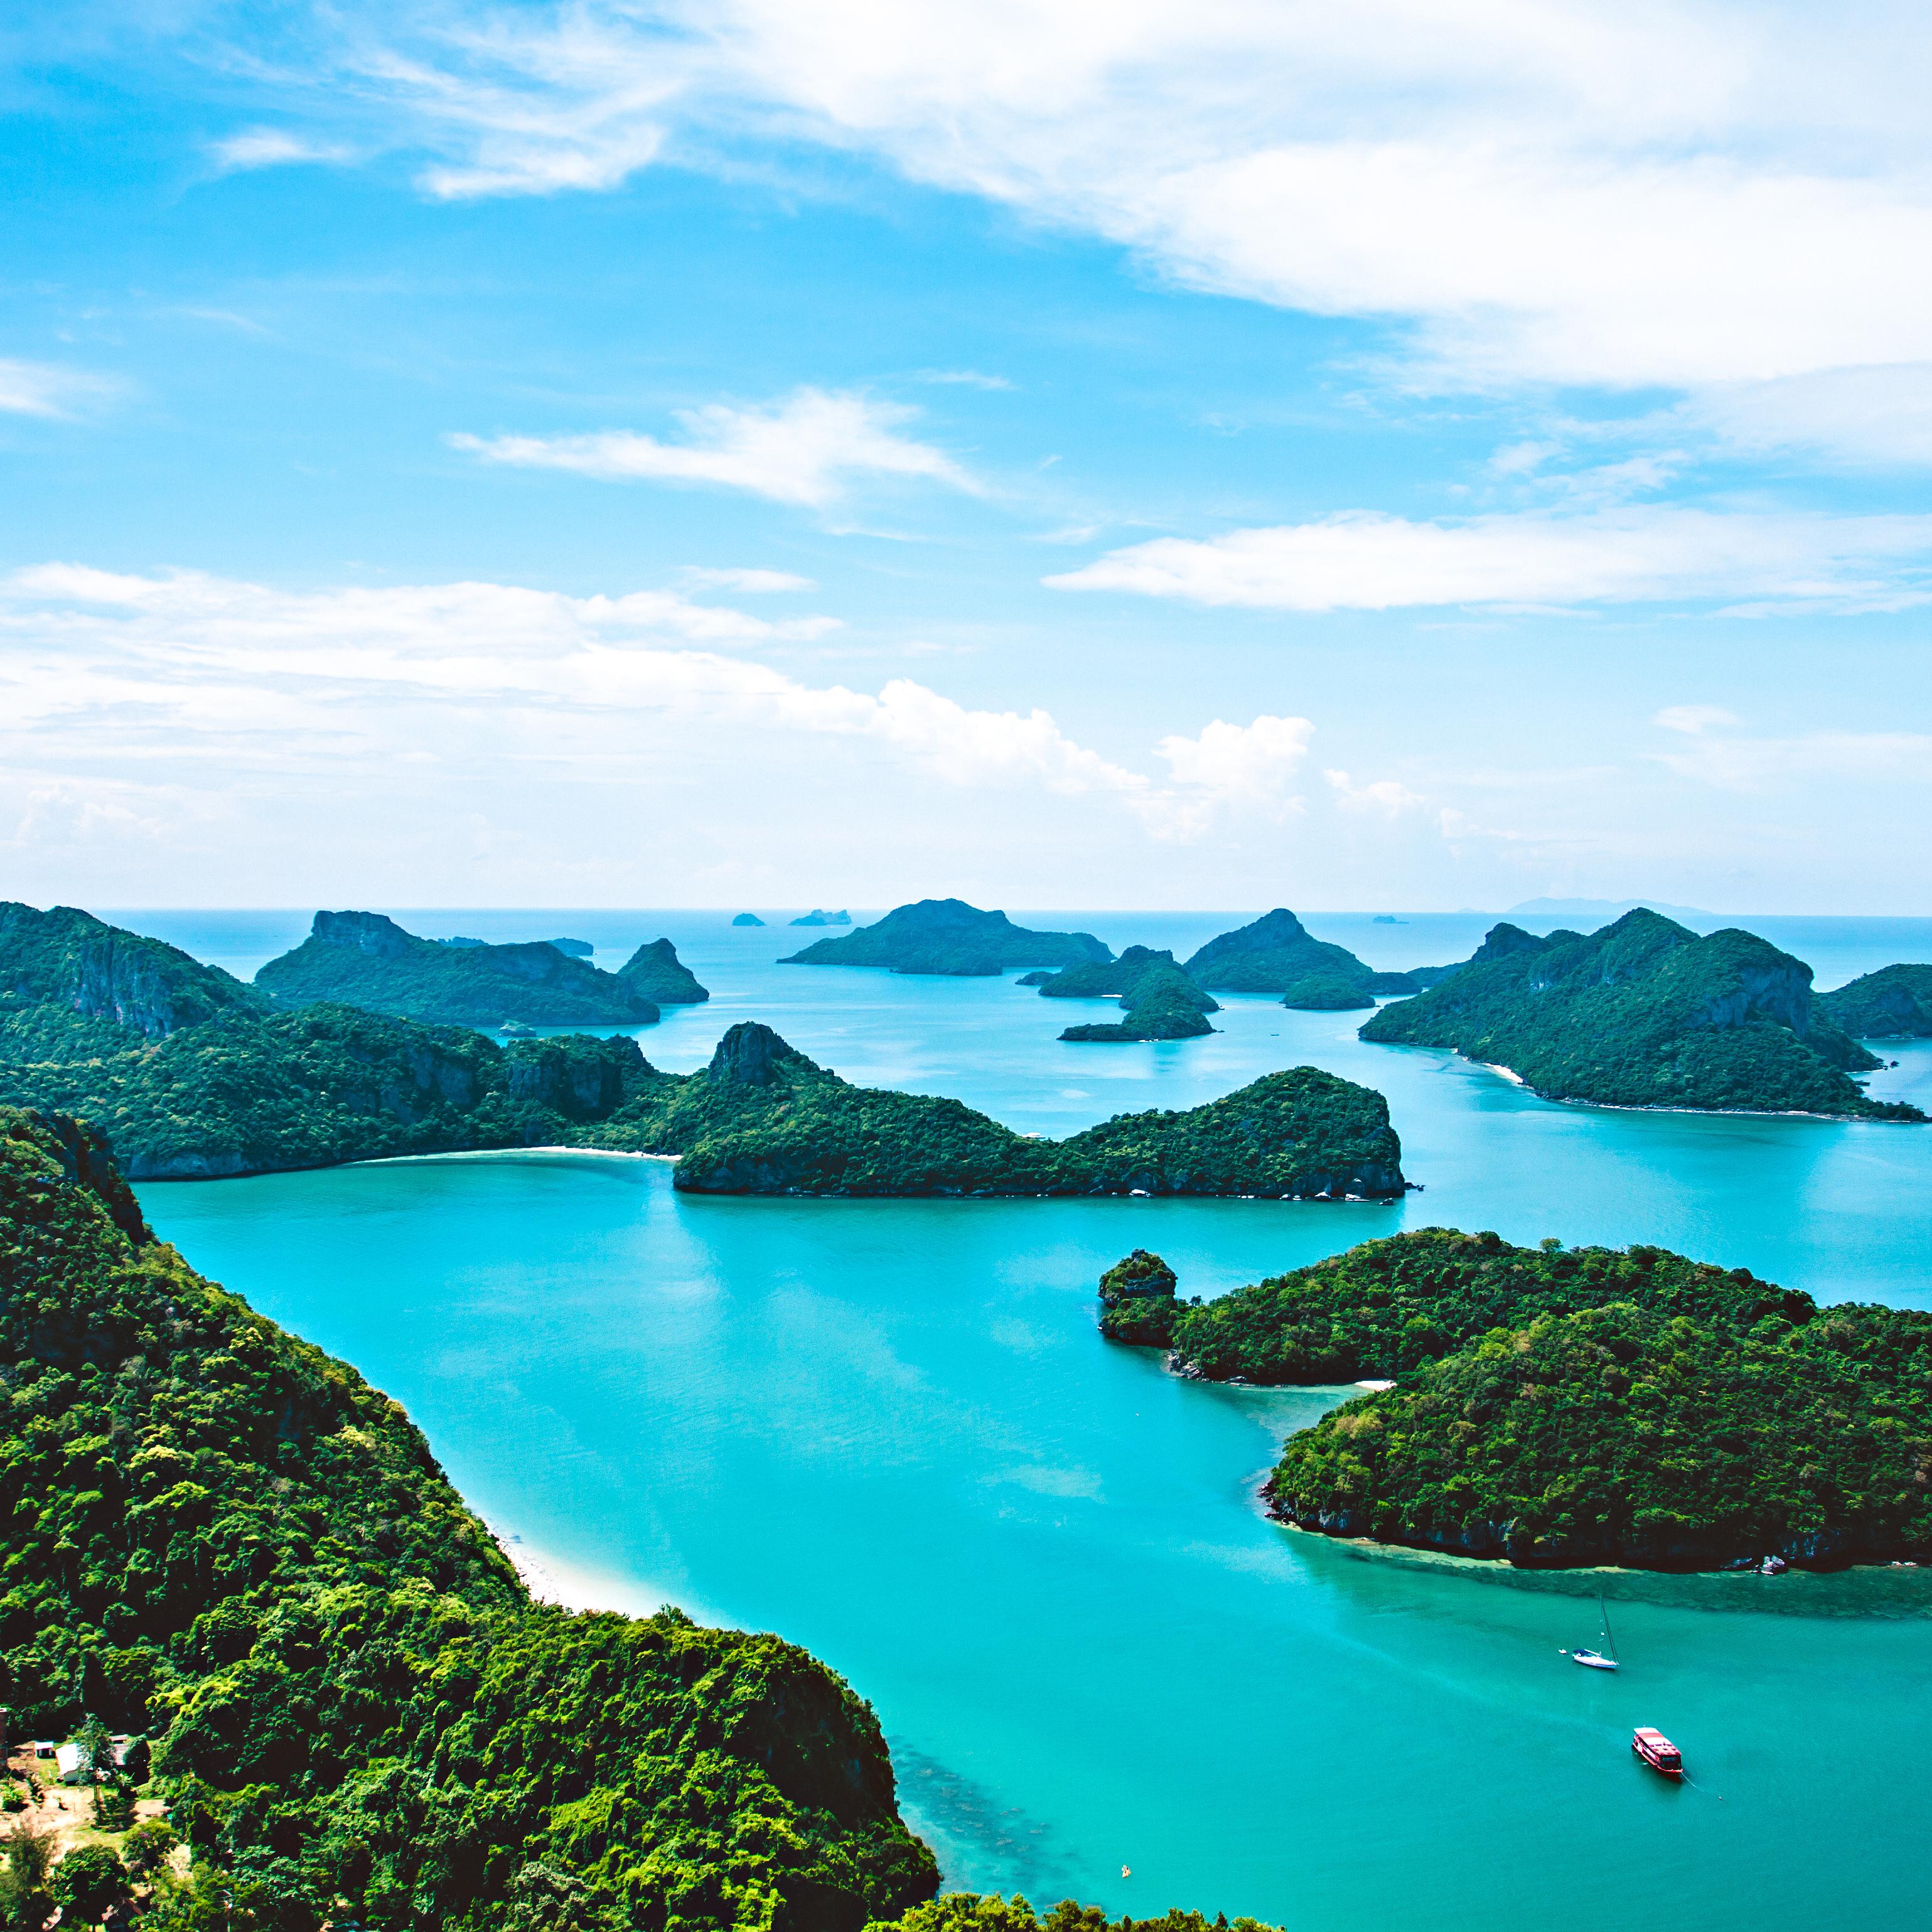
(1558,1407)
(819,917)
(364,959)
(1277,954)
(193,1076)
(654,973)
(1894,1003)
(221,1538)
(1158,1000)
(1645,1013)
(747,919)
(1602,911)
(948,936)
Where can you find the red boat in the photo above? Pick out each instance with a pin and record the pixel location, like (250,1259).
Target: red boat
(1658,1751)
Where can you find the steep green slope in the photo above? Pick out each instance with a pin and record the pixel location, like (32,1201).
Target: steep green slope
(1565,1407)
(363,959)
(214,1532)
(1276,952)
(1644,1013)
(1158,1000)
(948,936)
(1895,1003)
(655,972)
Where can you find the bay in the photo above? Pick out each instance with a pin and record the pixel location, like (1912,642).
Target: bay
(889,1431)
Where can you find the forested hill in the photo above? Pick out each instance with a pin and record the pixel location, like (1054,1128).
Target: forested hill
(1277,954)
(215,1533)
(1560,1407)
(364,959)
(1644,1013)
(1894,1003)
(949,936)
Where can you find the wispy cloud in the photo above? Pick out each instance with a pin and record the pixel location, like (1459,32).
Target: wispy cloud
(187,667)
(746,583)
(1364,561)
(52,389)
(804,450)
(275,148)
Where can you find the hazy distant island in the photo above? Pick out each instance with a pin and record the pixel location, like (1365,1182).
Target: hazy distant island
(1561,1407)
(818,916)
(1158,1000)
(747,919)
(1277,954)
(1645,1013)
(192,1075)
(363,959)
(1894,1003)
(948,936)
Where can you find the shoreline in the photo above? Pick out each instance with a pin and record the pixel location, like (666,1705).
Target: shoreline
(1515,1079)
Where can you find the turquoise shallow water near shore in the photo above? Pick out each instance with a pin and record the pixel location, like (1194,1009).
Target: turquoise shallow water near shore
(889,1431)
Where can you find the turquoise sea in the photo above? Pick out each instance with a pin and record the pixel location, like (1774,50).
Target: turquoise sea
(888,1431)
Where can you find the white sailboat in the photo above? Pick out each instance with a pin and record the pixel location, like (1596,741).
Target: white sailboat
(1605,1659)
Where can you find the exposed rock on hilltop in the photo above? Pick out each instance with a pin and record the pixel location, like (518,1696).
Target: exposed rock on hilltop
(1644,1013)
(948,936)
(364,959)
(655,972)
(1560,1407)
(75,963)
(1895,1003)
(216,1534)
(1277,952)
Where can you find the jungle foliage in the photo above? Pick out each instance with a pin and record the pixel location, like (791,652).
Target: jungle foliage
(213,1533)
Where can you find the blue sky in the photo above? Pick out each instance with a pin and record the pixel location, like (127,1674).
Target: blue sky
(1066,455)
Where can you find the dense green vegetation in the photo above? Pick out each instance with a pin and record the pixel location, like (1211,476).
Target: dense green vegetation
(1564,1407)
(363,959)
(762,1118)
(1158,1000)
(969,1912)
(253,1092)
(211,1532)
(1895,1003)
(1644,1013)
(949,936)
(1276,951)
(1325,993)
(656,972)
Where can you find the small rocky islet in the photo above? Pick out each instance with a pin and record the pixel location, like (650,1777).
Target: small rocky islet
(1556,1407)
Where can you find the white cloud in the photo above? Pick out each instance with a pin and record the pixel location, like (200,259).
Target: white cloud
(1753,765)
(746,583)
(1625,192)
(48,389)
(1692,720)
(273,148)
(1255,763)
(1384,798)
(801,451)
(1364,561)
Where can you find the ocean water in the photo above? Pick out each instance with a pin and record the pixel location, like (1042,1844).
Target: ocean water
(890,1431)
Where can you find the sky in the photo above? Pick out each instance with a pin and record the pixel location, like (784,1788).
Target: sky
(1107,455)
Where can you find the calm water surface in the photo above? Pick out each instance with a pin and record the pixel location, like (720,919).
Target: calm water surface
(888,1431)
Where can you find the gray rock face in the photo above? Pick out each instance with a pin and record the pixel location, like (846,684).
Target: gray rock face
(368,932)
(751,1053)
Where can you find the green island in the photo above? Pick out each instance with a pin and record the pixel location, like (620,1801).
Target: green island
(1558,1407)
(1894,1003)
(1158,1000)
(363,959)
(747,919)
(1328,993)
(656,973)
(1277,954)
(191,1077)
(818,916)
(762,1118)
(948,936)
(1645,1013)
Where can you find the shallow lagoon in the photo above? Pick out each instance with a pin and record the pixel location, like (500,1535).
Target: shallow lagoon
(889,1431)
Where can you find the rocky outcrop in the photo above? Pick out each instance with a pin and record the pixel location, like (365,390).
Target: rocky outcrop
(751,1054)
(656,971)
(584,1080)
(1137,1301)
